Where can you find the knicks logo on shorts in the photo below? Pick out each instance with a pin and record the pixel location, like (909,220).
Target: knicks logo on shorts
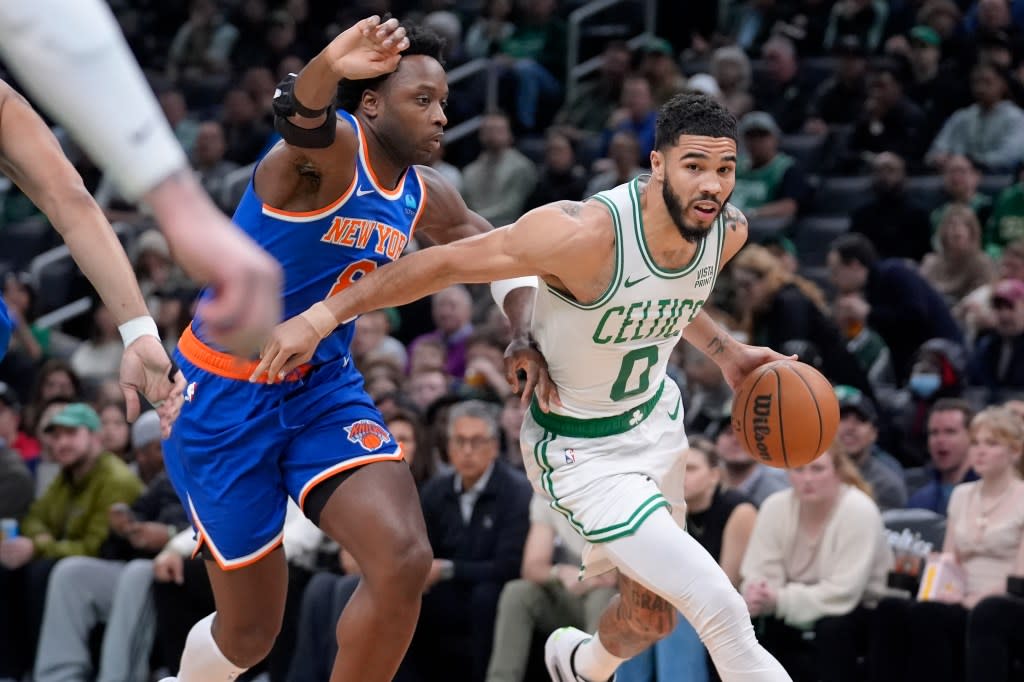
(370,435)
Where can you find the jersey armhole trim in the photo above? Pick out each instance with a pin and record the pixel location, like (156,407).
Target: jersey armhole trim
(616,275)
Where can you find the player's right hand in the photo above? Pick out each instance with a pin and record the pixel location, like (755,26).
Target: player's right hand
(246,301)
(367,50)
(244,279)
(523,357)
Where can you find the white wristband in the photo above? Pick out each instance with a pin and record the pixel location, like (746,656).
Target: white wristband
(136,327)
(320,318)
(501,288)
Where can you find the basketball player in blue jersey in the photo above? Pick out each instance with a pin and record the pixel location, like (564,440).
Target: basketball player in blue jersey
(340,196)
(32,158)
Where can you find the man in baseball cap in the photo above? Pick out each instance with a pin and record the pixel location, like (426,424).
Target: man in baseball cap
(858,434)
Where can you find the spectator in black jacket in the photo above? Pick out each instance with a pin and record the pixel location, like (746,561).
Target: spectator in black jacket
(477,519)
(897,302)
(997,361)
(778,306)
(890,122)
(561,177)
(892,220)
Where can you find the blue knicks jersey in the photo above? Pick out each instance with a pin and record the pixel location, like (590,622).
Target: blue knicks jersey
(323,251)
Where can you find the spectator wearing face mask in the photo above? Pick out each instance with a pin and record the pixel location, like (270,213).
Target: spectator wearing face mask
(938,371)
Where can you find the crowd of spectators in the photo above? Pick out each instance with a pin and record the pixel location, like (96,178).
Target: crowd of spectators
(882,172)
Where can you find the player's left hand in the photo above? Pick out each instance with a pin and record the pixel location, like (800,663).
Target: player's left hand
(523,356)
(368,49)
(146,369)
(744,359)
(291,344)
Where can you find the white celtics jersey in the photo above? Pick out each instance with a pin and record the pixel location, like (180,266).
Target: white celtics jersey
(610,356)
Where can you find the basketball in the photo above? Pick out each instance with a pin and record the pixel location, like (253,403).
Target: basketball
(785,414)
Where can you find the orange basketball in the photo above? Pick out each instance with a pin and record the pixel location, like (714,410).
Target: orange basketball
(785,414)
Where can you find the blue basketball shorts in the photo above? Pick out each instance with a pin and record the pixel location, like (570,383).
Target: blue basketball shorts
(239,450)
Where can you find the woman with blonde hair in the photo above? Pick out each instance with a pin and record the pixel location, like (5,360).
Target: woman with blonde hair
(777,307)
(817,559)
(958,265)
(985,537)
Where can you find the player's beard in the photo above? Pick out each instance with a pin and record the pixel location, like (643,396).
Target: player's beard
(692,234)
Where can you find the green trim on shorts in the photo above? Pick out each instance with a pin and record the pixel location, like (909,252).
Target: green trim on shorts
(599,427)
(598,535)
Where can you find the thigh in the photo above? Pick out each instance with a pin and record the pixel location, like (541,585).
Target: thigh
(375,514)
(607,485)
(222,457)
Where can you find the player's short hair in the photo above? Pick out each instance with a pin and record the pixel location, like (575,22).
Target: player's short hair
(692,114)
(422,41)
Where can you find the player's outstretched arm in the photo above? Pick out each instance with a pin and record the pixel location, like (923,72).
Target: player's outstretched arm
(735,359)
(536,244)
(314,140)
(31,157)
(71,57)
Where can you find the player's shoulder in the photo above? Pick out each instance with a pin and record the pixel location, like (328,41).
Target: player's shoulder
(585,219)
(734,220)
(434,182)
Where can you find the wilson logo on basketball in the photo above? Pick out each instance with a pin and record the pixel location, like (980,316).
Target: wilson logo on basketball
(370,435)
(762,411)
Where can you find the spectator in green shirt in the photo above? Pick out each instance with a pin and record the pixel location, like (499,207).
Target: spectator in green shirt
(69,519)
(1006,224)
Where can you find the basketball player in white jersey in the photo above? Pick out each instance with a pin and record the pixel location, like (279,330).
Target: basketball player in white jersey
(622,277)
(70,55)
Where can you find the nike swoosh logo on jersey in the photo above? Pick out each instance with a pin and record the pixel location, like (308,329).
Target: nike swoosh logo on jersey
(630,283)
(360,192)
(675,413)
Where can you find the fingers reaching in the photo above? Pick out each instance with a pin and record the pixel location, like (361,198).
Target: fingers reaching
(532,374)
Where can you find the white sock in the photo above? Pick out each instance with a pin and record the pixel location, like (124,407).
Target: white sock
(202,660)
(593,662)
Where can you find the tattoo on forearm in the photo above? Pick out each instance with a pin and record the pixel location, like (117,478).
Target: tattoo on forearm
(716,346)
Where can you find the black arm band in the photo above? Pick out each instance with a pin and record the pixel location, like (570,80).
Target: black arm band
(286,104)
(309,138)
(1015,585)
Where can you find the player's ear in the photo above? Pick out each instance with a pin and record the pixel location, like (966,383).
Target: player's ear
(657,165)
(370,103)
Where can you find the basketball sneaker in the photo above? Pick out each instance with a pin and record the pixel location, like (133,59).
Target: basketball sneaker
(558,655)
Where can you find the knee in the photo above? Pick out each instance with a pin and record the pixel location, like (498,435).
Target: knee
(138,570)
(246,644)
(402,572)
